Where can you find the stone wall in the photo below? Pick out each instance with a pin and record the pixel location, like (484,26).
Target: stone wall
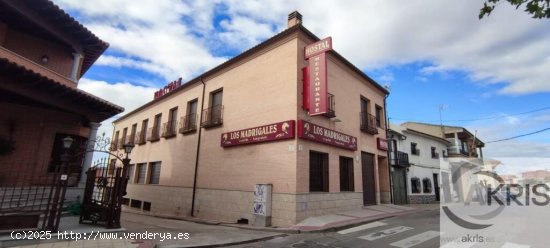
(421,199)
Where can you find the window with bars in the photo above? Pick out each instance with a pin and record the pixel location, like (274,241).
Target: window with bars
(141,173)
(346,174)
(154,175)
(415,185)
(318,172)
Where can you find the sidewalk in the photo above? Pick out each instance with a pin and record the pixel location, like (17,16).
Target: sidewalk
(366,214)
(200,233)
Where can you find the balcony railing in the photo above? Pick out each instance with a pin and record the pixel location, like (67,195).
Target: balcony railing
(121,142)
(169,129)
(140,138)
(130,139)
(457,150)
(188,124)
(435,155)
(368,123)
(415,151)
(330,106)
(113,146)
(153,134)
(401,159)
(212,116)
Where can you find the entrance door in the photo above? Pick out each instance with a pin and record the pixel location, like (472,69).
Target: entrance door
(369,189)
(436,187)
(399,177)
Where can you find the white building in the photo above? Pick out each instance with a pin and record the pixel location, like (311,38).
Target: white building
(416,171)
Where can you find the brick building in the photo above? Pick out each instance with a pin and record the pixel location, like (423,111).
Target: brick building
(43,54)
(203,145)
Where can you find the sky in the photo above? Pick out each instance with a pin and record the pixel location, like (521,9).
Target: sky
(439,60)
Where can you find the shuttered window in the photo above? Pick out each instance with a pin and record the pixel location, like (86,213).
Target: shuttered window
(142,171)
(154,176)
(130,173)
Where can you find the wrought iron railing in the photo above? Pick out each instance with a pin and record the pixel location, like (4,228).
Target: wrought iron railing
(401,159)
(153,134)
(188,123)
(113,146)
(368,123)
(140,137)
(130,139)
(330,106)
(169,129)
(212,116)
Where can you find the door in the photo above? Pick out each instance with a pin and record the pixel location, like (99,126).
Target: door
(436,186)
(369,189)
(446,184)
(399,177)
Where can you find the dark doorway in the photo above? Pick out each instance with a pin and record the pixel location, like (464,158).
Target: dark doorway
(446,184)
(436,187)
(369,189)
(399,177)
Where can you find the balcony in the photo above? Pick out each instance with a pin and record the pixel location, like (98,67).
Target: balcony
(153,134)
(130,139)
(212,116)
(400,159)
(140,138)
(169,129)
(113,146)
(188,124)
(457,150)
(121,142)
(368,123)
(330,106)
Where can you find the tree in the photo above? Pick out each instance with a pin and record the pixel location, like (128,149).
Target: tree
(537,8)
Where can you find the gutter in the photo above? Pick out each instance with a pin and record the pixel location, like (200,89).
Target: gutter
(198,152)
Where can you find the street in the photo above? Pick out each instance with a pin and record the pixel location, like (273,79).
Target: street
(413,230)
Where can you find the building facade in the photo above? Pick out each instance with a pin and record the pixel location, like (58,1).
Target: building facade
(43,54)
(421,154)
(203,145)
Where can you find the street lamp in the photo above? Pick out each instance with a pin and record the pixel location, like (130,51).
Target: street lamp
(128,149)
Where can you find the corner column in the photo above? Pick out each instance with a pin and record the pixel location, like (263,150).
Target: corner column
(89,154)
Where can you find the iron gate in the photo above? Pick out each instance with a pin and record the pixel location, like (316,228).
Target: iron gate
(31,199)
(105,187)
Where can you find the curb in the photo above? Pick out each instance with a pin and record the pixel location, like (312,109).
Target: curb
(224,244)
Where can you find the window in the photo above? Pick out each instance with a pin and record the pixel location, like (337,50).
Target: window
(173,120)
(414,149)
(213,116)
(190,122)
(368,121)
(115,141)
(346,174)
(130,173)
(133,134)
(73,165)
(144,127)
(154,174)
(135,204)
(427,184)
(146,206)
(435,155)
(155,131)
(123,141)
(318,172)
(444,153)
(415,185)
(379,115)
(142,171)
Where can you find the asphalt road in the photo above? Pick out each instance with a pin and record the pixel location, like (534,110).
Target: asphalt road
(413,230)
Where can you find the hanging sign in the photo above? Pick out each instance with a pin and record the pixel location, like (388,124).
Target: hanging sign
(382,144)
(271,132)
(315,82)
(310,131)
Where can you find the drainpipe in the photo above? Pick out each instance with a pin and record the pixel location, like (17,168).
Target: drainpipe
(389,145)
(197,155)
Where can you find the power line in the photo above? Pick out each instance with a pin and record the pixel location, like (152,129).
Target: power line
(523,135)
(481,118)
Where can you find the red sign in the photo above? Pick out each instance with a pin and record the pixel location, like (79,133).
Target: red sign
(272,132)
(318,47)
(317,88)
(382,144)
(168,88)
(310,131)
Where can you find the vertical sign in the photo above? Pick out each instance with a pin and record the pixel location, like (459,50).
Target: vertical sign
(315,87)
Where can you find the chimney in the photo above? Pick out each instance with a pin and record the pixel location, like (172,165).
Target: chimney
(294,19)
